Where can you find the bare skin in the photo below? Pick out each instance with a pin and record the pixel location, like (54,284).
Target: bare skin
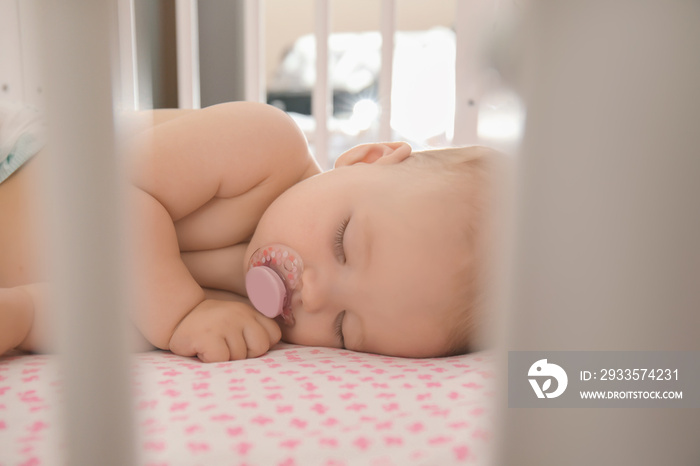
(20,255)
(200,182)
(209,187)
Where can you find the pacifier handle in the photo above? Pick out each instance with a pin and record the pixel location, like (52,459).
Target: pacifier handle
(265,290)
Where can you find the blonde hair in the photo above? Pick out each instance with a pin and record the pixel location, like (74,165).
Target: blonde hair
(466,173)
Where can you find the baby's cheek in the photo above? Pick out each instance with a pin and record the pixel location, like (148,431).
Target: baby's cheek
(286,337)
(293,336)
(299,335)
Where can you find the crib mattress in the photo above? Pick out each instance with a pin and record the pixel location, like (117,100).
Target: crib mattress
(293,406)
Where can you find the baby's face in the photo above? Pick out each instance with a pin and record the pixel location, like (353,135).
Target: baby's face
(379,248)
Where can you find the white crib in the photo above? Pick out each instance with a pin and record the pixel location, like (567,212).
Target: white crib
(565,137)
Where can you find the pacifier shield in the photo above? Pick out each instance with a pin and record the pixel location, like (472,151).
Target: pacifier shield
(265,290)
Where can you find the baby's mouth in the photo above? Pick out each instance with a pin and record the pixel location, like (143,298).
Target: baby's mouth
(271,292)
(286,318)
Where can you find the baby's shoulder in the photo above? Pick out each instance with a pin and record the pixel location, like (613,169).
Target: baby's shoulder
(274,147)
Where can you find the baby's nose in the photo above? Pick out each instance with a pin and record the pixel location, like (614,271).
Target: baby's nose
(317,294)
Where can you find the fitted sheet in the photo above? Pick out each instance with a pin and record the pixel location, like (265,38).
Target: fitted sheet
(293,406)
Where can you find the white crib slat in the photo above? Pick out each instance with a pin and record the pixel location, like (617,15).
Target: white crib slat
(187,54)
(11,82)
(29,38)
(128,69)
(86,235)
(255,80)
(388,28)
(467,91)
(632,134)
(322,99)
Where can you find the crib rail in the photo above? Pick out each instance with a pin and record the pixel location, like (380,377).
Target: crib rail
(83,202)
(322,99)
(128,70)
(187,53)
(254,49)
(388,28)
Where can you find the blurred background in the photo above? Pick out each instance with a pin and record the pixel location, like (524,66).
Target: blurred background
(423,81)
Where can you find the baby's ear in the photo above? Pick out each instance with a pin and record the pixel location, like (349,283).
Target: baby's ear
(384,153)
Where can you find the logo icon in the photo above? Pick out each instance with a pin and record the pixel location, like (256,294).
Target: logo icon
(542,369)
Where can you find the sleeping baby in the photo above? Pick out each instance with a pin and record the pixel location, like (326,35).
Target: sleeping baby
(241,240)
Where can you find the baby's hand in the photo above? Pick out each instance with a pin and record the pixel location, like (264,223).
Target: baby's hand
(218,331)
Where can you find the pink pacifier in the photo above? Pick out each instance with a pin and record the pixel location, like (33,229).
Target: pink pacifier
(274,274)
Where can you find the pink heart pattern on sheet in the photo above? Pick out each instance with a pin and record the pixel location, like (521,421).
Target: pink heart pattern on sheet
(293,406)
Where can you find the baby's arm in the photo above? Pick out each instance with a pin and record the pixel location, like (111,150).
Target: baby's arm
(222,151)
(166,291)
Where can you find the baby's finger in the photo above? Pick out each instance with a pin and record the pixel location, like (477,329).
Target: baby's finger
(236,346)
(256,339)
(181,345)
(273,329)
(215,350)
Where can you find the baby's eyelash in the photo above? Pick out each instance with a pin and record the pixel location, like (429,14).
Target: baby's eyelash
(339,235)
(339,329)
